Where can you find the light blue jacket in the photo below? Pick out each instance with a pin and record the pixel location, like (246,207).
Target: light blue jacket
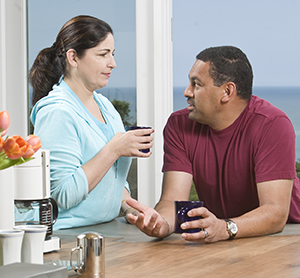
(67,129)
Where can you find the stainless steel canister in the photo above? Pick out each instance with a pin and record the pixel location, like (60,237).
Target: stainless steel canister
(90,255)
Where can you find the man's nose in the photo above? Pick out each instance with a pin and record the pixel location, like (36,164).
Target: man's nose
(188,91)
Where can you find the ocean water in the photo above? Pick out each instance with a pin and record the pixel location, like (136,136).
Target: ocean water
(285,98)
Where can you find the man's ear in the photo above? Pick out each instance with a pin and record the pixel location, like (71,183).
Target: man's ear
(72,57)
(229,91)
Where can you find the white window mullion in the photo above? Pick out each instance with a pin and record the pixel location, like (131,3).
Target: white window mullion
(13,72)
(154,87)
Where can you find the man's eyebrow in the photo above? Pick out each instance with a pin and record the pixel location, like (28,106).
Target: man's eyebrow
(194,78)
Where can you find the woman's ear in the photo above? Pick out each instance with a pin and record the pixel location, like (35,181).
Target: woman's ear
(229,91)
(72,57)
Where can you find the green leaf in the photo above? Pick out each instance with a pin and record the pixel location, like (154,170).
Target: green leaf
(7,162)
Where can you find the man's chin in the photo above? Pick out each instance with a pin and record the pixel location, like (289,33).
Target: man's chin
(192,116)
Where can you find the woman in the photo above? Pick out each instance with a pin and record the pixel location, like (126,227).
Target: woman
(89,150)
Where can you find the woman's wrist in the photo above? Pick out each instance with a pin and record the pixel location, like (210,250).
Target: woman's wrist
(125,209)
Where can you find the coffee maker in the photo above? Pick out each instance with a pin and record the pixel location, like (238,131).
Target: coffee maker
(33,204)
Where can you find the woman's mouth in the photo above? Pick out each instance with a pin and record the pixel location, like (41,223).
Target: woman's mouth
(107,74)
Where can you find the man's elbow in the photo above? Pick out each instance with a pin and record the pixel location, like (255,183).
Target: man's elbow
(279,222)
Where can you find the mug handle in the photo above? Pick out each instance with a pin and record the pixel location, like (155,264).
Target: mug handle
(55,210)
(78,268)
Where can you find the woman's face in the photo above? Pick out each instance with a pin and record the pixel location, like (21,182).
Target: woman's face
(95,67)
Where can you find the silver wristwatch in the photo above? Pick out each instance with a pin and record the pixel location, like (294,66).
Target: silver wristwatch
(232,228)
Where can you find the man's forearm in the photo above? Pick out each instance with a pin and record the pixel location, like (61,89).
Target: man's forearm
(267,219)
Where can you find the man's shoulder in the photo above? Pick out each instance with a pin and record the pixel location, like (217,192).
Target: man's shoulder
(182,112)
(264,108)
(180,118)
(180,115)
(263,116)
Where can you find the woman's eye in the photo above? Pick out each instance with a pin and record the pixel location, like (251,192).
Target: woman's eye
(105,54)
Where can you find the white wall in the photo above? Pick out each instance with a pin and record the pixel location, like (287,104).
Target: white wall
(13,79)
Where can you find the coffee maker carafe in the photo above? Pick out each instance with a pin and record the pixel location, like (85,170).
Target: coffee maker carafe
(33,204)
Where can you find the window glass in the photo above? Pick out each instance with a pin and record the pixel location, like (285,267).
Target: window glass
(265,30)
(45,18)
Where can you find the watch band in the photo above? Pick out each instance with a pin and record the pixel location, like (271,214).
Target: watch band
(232,228)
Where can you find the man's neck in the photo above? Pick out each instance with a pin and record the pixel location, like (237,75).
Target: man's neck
(229,114)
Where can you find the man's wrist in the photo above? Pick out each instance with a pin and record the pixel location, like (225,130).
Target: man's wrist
(169,229)
(231,228)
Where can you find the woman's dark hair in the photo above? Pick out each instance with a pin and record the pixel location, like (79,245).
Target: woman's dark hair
(229,63)
(79,33)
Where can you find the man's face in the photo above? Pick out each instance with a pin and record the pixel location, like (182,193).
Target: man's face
(204,98)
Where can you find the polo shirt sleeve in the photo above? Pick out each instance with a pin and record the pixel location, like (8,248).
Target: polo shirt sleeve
(175,140)
(275,152)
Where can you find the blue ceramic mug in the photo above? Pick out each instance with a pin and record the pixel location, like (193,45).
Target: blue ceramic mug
(181,210)
(127,128)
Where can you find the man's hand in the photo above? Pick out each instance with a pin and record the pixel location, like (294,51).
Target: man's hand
(148,221)
(215,228)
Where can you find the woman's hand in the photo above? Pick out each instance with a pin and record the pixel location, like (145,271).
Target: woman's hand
(131,142)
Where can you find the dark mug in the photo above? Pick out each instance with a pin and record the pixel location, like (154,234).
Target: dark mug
(181,210)
(127,128)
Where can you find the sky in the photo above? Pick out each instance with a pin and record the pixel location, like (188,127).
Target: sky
(266,30)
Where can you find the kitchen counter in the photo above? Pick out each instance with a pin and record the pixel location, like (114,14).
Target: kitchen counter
(130,253)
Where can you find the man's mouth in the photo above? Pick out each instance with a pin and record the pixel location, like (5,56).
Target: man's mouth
(191,105)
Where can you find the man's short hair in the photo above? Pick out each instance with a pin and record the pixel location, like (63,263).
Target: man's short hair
(229,64)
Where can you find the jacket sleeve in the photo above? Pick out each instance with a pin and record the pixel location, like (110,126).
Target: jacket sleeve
(56,127)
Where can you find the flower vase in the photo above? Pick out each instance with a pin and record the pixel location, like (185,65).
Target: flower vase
(7,216)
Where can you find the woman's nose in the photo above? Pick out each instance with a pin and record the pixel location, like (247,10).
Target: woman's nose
(112,63)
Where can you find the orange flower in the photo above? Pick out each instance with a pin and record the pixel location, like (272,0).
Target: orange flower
(29,153)
(15,150)
(15,147)
(3,132)
(1,144)
(34,142)
(4,122)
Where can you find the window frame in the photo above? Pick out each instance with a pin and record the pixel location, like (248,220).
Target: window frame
(154,78)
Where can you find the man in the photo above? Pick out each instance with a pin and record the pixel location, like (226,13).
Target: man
(237,148)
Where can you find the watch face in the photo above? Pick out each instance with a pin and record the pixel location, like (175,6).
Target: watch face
(233,227)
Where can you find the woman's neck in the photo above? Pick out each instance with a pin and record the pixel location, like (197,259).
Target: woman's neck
(86,97)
